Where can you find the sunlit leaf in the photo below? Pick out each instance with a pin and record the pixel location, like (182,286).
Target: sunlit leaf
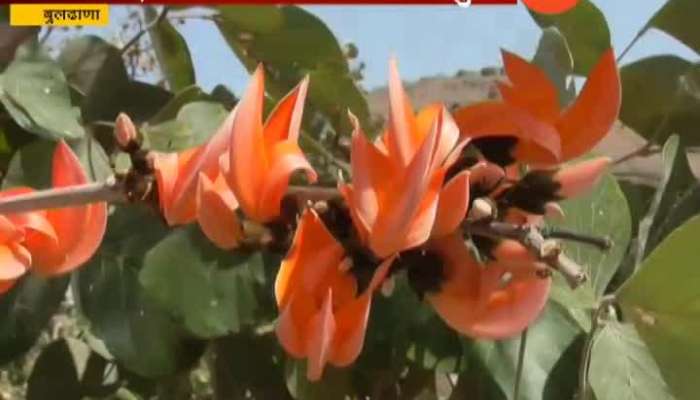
(35,92)
(622,368)
(180,99)
(663,301)
(211,290)
(172,52)
(585,30)
(194,124)
(679,19)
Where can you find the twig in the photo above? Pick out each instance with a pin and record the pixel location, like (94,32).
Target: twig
(46,35)
(605,303)
(521,363)
(110,191)
(631,44)
(602,243)
(144,30)
(547,251)
(647,150)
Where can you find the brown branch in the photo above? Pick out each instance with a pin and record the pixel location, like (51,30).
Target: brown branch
(152,24)
(548,251)
(110,191)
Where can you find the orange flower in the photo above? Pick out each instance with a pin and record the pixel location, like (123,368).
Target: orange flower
(322,317)
(262,158)
(244,164)
(397,198)
(51,242)
(494,301)
(533,127)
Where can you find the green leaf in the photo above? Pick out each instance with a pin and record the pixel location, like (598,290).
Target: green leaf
(172,108)
(172,52)
(137,331)
(195,123)
(31,165)
(554,58)
(35,92)
(676,179)
(585,30)
(663,302)
(678,18)
(622,368)
(687,206)
(211,290)
(25,311)
(654,103)
(552,352)
(291,43)
(602,212)
(95,68)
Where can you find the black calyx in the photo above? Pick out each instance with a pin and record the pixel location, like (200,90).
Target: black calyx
(425,270)
(498,149)
(531,193)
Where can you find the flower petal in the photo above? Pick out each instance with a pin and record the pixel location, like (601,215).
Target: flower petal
(322,330)
(595,111)
(453,205)
(247,157)
(577,179)
(11,266)
(401,138)
(5,286)
(531,88)
(216,213)
(286,158)
(79,229)
(291,327)
(284,121)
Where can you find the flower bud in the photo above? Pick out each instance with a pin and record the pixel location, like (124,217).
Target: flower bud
(125,132)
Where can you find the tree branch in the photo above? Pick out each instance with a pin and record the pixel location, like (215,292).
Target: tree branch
(144,30)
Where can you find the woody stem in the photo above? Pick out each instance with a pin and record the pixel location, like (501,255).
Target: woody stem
(547,251)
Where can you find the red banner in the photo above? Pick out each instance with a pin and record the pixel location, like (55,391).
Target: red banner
(463,3)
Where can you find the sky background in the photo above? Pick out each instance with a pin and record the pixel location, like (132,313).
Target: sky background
(429,40)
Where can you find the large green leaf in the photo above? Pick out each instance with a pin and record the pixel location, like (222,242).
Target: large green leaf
(25,311)
(172,52)
(663,301)
(211,290)
(554,58)
(180,99)
(585,30)
(138,332)
(35,92)
(602,213)
(195,123)
(95,67)
(679,18)
(677,179)
(31,165)
(654,103)
(622,368)
(551,354)
(291,43)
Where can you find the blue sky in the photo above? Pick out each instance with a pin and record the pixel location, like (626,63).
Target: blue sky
(431,40)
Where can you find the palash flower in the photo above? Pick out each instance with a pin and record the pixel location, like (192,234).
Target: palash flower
(529,126)
(245,164)
(398,198)
(492,301)
(51,242)
(322,315)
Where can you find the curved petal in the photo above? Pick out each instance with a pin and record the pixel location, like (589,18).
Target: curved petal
(531,88)
(284,121)
(401,139)
(216,213)
(322,330)
(286,158)
(11,266)
(79,229)
(247,157)
(166,170)
(595,110)
(453,205)
(486,177)
(9,232)
(577,179)
(5,286)
(361,226)
(291,328)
